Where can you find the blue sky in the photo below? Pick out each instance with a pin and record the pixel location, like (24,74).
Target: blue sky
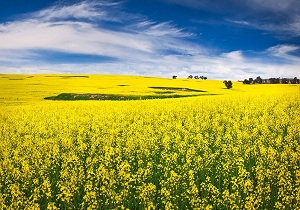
(219,39)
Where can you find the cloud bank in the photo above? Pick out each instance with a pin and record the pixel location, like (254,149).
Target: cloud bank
(128,43)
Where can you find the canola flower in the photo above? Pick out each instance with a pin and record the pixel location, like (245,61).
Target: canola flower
(238,150)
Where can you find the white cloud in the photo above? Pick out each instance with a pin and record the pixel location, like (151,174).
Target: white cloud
(79,11)
(285,30)
(214,67)
(76,37)
(164,29)
(51,29)
(240,22)
(282,50)
(90,10)
(235,56)
(139,46)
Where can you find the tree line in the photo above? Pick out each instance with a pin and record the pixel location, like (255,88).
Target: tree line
(191,77)
(259,80)
(197,77)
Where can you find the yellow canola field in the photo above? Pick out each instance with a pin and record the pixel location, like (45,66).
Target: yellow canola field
(236,149)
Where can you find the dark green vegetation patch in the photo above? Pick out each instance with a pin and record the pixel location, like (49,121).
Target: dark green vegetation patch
(178,89)
(113,97)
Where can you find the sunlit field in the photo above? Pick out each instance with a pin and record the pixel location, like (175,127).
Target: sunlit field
(209,148)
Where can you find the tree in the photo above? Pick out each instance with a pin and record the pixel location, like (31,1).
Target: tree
(246,81)
(250,80)
(190,77)
(258,80)
(295,80)
(284,81)
(273,80)
(228,84)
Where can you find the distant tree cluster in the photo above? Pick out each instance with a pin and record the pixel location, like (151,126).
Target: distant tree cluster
(228,84)
(253,81)
(197,77)
(259,80)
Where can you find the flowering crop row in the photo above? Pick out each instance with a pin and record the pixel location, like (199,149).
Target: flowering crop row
(208,152)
